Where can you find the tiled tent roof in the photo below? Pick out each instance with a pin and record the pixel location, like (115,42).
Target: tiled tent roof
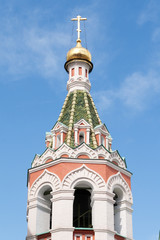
(79,105)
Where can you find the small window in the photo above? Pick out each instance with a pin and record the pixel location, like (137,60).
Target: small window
(86,73)
(72,72)
(81,137)
(102,140)
(80,70)
(58,140)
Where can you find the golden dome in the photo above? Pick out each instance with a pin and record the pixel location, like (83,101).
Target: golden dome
(78,52)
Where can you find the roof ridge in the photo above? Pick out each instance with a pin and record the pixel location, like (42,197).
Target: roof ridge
(63,107)
(95,109)
(71,118)
(90,120)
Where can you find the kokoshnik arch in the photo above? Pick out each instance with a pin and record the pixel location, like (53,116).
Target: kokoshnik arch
(79,188)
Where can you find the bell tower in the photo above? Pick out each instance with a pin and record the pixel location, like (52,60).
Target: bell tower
(79,188)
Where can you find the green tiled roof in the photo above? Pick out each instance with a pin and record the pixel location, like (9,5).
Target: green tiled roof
(79,105)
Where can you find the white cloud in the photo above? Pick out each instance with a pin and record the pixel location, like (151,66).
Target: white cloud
(135,92)
(150,13)
(137,89)
(156,35)
(30,49)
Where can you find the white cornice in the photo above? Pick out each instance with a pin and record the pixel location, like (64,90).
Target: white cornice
(83,161)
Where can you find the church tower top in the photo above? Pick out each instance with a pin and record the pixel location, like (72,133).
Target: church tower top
(78,53)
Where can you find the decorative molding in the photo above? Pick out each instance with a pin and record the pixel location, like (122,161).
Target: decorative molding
(45,178)
(49,153)
(114,156)
(84,174)
(101,129)
(83,149)
(82,124)
(118,180)
(102,152)
(59,126)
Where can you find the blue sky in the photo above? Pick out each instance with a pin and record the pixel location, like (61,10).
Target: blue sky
(124,40)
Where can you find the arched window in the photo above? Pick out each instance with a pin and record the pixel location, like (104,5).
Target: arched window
(81,137)
(58,140)
(72,72)
(82,211)
(86,73)
(117,212)
(80,70)
(102,140)
(44,210)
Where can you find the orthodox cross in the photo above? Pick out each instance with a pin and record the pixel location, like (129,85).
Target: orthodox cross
(78,19)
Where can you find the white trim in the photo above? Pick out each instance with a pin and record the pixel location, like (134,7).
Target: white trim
(83,174)
(46,178)
(79,160)
(116,181)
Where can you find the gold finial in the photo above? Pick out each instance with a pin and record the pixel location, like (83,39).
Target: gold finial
(78,19)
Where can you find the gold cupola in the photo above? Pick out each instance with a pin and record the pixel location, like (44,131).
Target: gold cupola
(78,53)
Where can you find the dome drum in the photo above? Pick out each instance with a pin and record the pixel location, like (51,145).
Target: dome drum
(78,60)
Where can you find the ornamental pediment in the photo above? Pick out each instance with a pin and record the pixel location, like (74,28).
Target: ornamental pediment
(47,154)
(82,123)
(59,126)
(84,149)
(116,158)
(101,150)
(102,129)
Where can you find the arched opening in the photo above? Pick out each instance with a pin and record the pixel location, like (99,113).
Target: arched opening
(72,72)
(80,71)
(44,210)
(115,162)
(82,211)
(81,137)
(86,73)
(117,213)
(58,140)
(102,140)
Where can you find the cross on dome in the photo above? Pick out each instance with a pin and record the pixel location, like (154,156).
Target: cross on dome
(78,19)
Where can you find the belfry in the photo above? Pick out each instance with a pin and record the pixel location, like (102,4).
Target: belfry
(79,188)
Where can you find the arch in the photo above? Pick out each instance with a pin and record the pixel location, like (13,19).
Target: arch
(46,178)
(81,137)
(114,156)
(115,161)
(83,156)
(101,156)
(64,155)
(116,181)
(83,174)
(48,159)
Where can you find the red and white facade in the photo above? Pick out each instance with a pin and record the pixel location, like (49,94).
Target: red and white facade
(62,178)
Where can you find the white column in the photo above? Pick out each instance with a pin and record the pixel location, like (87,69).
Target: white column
(101,215)
(54,140)
(43,215)
(32,216)
(76,136)
(88,133)
(124,212)
(61,137)
(62,215)
(106,142)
